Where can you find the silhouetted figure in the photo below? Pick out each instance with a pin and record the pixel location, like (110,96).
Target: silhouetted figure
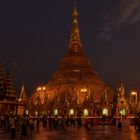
(37,123)
(63,122)
(79,121)
(55,122)
(31,126)
(119,124)
(24,126)
(91,123)
(136,121)
(139,122)
(50,122)
(44,119)
(67,121)
(12,127)
(87,123)
(3,121)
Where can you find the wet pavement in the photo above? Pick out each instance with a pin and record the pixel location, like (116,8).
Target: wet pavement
(97,132)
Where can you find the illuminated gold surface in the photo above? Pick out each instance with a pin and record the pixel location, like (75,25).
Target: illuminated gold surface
(75,84)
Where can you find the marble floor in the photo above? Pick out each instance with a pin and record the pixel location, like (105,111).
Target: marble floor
(97,132)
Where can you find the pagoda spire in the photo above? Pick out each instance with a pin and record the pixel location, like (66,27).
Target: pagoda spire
(75,42)
(23,95)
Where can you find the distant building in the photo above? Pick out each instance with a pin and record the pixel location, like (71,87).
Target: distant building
(8,97)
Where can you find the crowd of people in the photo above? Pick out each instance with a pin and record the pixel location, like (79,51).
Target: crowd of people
(26,125)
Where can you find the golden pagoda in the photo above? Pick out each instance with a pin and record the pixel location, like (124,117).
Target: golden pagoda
(76,88)
(122,104)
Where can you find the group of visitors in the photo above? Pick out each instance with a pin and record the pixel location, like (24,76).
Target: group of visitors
(27,125)
(23,124)
(55,122)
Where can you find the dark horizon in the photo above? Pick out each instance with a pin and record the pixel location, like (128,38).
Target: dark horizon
(34,37)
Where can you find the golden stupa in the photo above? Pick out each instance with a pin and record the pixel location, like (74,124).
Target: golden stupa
(76,85)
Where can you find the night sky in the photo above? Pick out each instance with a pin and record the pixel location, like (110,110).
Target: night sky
(34,36)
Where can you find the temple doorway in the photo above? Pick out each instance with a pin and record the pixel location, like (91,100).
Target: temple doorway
(71,112)
(105,112)
(85,112)
(55,112)
(122,112)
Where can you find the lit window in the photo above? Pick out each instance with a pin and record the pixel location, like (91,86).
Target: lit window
(27,112)
(122,112)
(36,113)
(56,112)
(105,112)
(85,112)
(71,112)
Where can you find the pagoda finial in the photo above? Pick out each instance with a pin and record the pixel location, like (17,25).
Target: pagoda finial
(75,19)
(75,13)
(75,43)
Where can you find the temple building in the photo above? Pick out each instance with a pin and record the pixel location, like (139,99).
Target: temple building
(23,104)
(75,88)
(8,97)
(122,104)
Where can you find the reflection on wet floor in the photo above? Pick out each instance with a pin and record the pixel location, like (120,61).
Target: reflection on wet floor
(98,132)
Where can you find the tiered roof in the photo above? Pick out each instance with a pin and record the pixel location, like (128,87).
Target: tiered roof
(7,91)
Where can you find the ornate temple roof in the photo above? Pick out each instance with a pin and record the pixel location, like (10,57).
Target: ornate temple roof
(7,91)
(8,87)
(23,95)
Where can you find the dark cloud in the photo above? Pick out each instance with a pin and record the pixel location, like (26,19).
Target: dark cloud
(127,12)
(105,33)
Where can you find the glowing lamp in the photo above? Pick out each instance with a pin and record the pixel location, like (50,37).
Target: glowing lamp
(83,90)
(39,88)
(133,93)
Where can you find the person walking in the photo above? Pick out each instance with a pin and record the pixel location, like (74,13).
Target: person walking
(136,121)
(12,127)
(120,123)
(24,126)
(31,126)
(3,121)
(139,122)
(44,119)
(37,123)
